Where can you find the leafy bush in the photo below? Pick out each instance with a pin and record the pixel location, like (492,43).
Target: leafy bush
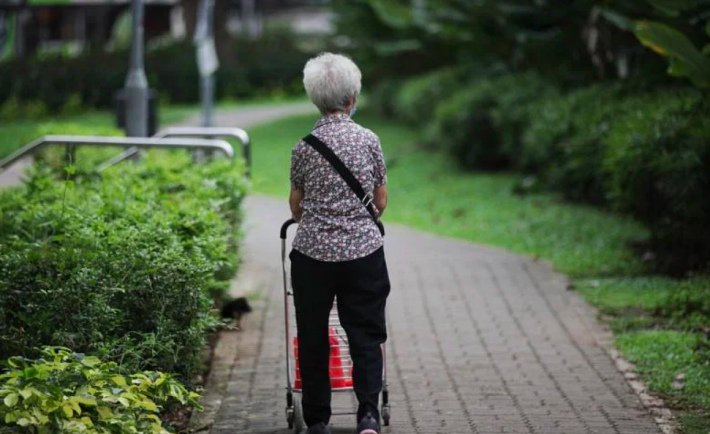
(644,153)
(564,140)
(417,98)
(119,265)
(482,124)
(382,98)
(658,165)
(689,304)
(258,67)
(71,393)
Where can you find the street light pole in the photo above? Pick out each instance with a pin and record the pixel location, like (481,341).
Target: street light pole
(207,81)
(136,81)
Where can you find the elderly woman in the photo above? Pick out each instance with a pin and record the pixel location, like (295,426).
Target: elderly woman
(338,250)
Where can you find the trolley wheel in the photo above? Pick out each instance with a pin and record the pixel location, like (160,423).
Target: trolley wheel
(290,411)
(299,425)
(386,415)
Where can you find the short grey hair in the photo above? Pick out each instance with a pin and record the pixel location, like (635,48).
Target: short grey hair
(330,81)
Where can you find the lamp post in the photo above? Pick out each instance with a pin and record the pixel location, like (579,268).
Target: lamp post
(136,81)
(207,61)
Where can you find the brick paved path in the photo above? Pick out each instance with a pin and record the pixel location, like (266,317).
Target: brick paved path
(481,341)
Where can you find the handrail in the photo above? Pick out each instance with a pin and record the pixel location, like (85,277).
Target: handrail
(126,142)
(213,132)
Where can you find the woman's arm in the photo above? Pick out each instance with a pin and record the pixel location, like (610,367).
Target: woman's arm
(380,199)
(294,201)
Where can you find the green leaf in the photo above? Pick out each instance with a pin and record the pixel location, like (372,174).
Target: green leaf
(26,393)
(619,20)
(86,400)
(11,399)
(150,405)
(119,380)
(671,8)
(397,47)
(673,44)
(678,68)
(71,169)
(393,13)
(23,421)
(67,409)
(105,412)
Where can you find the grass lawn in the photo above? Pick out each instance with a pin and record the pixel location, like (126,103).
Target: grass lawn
(15,134)
(653,317)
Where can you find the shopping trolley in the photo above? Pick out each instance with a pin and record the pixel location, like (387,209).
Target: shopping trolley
(340,362)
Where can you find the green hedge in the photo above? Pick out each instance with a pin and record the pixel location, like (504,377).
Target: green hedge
(265,66)
(415,101)
(383,97)
(623,145)
(120,264)
(657,167)
(642,153)
(482,124)
(563,143)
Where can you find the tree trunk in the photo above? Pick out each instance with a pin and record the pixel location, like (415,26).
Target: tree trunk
(190,8)
(223,41)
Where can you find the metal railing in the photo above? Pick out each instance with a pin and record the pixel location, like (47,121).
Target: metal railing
(127,142)
(193,132)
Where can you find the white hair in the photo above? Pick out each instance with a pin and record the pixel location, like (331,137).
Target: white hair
(330,81)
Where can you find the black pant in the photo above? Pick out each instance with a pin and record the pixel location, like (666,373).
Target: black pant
(361,287)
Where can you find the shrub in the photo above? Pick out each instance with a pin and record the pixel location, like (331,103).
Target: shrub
(481,125)
(689,304)
(257,67)
(417,98)
(119,265)
(564,140)
(644,153)
(71,393)
(382,98)
(658,165)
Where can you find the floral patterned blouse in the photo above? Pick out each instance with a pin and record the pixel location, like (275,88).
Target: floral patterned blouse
(336,226)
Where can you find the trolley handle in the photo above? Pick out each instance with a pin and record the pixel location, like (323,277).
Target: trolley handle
(284,228)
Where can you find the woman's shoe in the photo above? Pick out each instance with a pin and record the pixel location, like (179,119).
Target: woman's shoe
(368,425)
(319,428)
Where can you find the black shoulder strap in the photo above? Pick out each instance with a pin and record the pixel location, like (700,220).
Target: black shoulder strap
(347,175)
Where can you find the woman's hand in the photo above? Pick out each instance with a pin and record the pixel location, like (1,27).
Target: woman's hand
(380,199)
(294,201)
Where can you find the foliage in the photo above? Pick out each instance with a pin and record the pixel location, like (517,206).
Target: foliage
(260,67)
(563,144)
(119,264)
(416,100)
(481,125)
(383,97)
(685,59)
(657,163)
(72,393)
(644,153)
(571,40)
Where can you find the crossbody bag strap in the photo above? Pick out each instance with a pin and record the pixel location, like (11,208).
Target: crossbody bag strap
(365,198)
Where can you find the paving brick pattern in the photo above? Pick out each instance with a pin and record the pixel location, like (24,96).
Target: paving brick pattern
(481,341)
